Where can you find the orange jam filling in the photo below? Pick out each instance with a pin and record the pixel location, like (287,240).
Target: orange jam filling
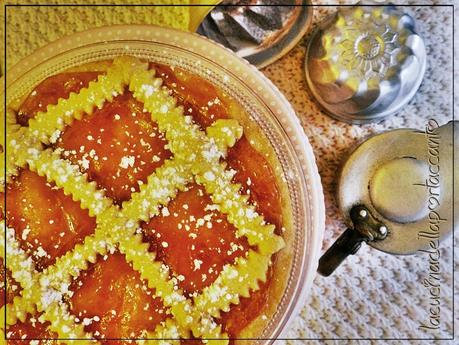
(47,222)
(203,103)
(32,328)
(194,239)
(256,178)
(119,146)
(112,300)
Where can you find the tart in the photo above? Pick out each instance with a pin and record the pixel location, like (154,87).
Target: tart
(142,202)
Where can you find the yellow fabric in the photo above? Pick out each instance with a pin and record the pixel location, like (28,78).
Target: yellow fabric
(29,28)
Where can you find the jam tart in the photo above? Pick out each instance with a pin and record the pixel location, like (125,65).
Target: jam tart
(137,207)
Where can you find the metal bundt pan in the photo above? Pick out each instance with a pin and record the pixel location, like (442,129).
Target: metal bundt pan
(365,63)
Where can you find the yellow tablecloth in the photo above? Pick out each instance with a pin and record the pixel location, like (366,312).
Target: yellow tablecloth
(29,28)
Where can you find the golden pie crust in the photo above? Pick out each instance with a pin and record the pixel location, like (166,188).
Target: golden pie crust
(204,138)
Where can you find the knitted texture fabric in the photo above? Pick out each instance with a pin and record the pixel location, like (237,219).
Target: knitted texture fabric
(29,28)
(372,295)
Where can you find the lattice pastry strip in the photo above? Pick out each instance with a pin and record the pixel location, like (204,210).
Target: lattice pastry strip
(163,334)
(73,262)
(234,281)
(217,182)
(17,310)
(161,186)
(63,323)
(157,277)
(47,126)
(20,306)
(68,177)
(20,265)
(184,137)
(19,146)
